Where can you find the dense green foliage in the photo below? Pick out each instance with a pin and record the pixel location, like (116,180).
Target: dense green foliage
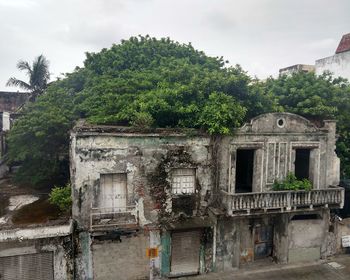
(61,197)
(317,98)
(291,183)
(38,74)
(160,83)
(142,82)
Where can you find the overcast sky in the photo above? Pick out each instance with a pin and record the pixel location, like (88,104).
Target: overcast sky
(261,35)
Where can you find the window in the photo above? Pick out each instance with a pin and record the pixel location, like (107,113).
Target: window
(113,193)
(183,180)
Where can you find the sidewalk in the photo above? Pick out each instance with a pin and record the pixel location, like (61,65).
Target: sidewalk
(336,268)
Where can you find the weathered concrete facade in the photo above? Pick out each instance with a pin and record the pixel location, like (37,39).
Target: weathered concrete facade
(200,203)
(36,253)
(147,160)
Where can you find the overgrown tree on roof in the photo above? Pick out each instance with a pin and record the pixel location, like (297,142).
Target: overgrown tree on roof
(317,98)
(142,81)
(38,74)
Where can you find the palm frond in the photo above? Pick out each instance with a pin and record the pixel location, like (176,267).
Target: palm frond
(18,83)
(24,65)
(40,75)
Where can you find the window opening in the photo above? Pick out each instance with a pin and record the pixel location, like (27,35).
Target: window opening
(113,196)
(183,181)
(244,170)
(280,123)
(302,163)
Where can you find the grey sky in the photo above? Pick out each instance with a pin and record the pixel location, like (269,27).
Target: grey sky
(261,35)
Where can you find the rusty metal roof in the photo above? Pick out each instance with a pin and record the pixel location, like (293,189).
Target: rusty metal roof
(344,44)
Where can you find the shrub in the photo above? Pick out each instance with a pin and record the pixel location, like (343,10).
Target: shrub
(61,197)
(292,183)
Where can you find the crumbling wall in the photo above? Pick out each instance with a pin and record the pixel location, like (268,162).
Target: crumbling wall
(342,228)
(147,161)
(124,258)
(274,138)
(307,237)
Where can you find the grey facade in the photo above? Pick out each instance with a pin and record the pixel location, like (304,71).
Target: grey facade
(201,203)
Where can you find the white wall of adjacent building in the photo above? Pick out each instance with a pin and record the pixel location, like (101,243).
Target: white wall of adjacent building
(338,64)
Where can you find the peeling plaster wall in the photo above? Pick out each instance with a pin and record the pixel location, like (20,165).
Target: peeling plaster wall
(235,241)
(307,239)
(147,159)
(293,241)
(275,146)
(139,157)
(125,258)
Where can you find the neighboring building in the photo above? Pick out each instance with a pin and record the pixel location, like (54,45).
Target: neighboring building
(10,104)
(35,241)
(339,63)
(297,68)
(198,203)
(11,101)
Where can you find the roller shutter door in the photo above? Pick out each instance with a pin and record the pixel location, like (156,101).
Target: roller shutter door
(27,267)
(185,252)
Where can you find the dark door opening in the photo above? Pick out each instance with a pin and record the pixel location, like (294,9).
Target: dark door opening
(302,163)
(244,170)
(263,241)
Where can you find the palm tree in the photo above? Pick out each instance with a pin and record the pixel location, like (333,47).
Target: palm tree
(38,74)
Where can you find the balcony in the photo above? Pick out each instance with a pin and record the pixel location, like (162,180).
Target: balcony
(282,201)
(113,217)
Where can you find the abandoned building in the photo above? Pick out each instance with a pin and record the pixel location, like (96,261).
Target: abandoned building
(35,240)
(153,203)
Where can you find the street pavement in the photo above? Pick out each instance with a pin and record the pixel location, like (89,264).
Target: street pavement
(336,268)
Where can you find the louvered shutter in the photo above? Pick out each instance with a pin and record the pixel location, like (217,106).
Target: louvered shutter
(27,267)
(185,252)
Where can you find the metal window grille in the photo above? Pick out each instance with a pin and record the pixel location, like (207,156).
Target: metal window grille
(183,180)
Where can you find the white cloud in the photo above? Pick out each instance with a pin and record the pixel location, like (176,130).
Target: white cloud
(23,4)
(261,35)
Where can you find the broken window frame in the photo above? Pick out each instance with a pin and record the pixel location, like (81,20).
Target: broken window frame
(183,181)
(257,185)
(314,160)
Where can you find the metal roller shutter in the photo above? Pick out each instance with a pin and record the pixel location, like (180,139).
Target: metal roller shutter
(27,267)
(185,252)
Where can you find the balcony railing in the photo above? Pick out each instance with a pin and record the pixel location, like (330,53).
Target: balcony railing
(282,201)
(108,217)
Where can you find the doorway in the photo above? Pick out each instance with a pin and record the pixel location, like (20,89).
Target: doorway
(244,170)
(302,163)
(263,241)
(185,247)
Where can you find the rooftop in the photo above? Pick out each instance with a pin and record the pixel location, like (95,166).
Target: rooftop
(24,207)
(344,44)
(84,127)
